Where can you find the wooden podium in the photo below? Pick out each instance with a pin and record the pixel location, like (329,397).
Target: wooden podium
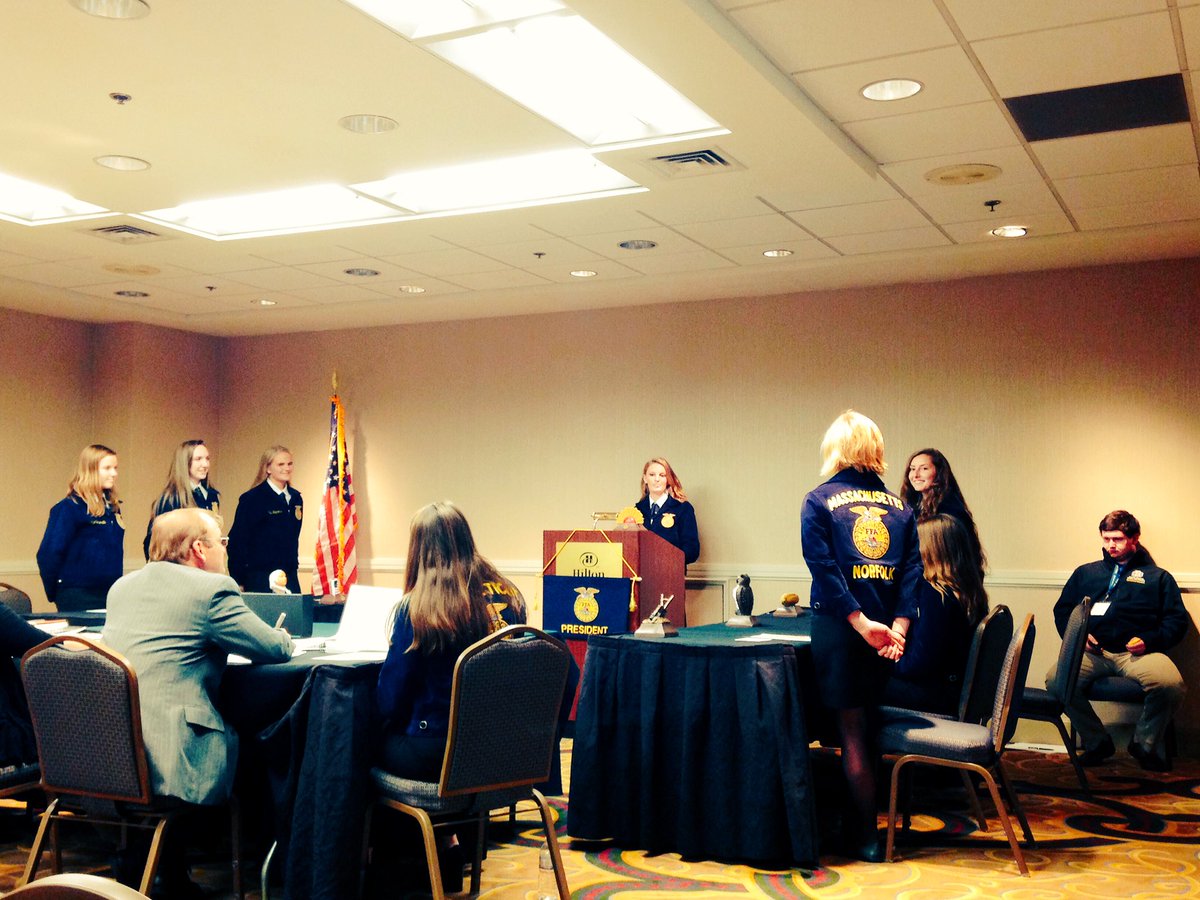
(659,563)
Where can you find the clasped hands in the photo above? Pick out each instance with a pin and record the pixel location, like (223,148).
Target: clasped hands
(888,642)
(1134,645)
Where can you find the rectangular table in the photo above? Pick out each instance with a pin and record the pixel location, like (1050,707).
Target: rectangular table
(696,745)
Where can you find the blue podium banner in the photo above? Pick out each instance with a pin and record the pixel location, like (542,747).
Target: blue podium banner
(580,607)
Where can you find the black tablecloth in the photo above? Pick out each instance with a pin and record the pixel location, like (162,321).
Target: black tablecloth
(719,772)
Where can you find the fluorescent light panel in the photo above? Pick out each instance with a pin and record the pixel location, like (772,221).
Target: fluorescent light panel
(276,212)
(416,19)
(518,181)
(27,203)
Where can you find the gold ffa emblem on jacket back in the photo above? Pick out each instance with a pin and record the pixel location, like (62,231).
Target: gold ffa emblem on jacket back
(870,535)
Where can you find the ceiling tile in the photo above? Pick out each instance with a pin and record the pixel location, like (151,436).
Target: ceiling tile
(1014,164)
(506,278)
(1120,188)
(1172,209)
(606,270)
(770,229)
(336,293)
(1189,24)
(446,262)
(984,20)
(862,218)
(801,250)
(280,278)
(1115,50)
(948,76)
(788,197)
(811,34)
(389,240)
(959,129)
(651,263)
(556,252)
(882,242)
(199,285)
(608,243)
(433,287)
(1116,151)
(60,275)
(337,271)
(967,203)
(15,259)
(979,231)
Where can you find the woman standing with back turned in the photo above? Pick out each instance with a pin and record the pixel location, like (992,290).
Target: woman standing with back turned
(860,543)
(82,552)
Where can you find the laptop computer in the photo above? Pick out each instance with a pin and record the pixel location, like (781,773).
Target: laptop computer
(297,609)
(364,625)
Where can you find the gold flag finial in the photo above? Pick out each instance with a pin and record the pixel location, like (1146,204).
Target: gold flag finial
(335,386)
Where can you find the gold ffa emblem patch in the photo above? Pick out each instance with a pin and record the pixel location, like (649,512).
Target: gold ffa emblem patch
(586,607)
(668,520)
(299,514)
(870,535)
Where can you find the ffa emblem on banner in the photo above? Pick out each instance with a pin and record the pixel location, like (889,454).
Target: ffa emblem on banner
(870,535)
(586,607)
(668,520)
(299,514)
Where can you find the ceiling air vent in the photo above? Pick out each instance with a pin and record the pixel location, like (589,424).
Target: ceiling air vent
(126,234)
(694,162)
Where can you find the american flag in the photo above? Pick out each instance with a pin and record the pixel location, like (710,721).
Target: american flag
(337,566)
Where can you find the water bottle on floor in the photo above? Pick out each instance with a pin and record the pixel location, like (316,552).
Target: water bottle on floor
(547,887)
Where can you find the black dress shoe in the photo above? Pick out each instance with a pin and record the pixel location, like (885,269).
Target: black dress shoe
(872,851)
(1151,762)
(1098,754)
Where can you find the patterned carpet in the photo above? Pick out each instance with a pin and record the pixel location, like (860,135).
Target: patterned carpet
(1138,837)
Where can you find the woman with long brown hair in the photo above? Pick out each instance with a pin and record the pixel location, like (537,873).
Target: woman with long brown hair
(951,602)
(931,489)
(187,485)
(82,551)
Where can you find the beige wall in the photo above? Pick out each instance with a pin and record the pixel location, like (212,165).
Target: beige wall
(1057,396)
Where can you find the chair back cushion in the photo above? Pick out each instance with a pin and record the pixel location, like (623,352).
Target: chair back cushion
(505,703)
(981,679)
(15,598)
(1006,708)
(1070,654)
(84,704)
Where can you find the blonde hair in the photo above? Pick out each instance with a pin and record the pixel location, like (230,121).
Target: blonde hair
(178,492)
(85,484)
(268,456)
(444,581)
(674,485)
(948,555)
(852,441)
(174,532)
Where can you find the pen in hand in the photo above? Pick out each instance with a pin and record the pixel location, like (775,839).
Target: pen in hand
(279,621)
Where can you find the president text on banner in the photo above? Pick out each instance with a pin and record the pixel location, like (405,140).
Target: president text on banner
(580,607)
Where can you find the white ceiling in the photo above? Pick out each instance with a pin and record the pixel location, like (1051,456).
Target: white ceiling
(232,97)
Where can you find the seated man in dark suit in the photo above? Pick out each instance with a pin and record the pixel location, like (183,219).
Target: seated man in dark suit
(176,620)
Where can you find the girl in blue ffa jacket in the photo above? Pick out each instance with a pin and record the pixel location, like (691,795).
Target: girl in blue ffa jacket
(665,508)
(266,526)
(82,551)
(860,543)
(187,485)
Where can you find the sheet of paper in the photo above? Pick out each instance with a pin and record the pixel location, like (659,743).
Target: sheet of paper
(767,637)
(360,656)
(309,643)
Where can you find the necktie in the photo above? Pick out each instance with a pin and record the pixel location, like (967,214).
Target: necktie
(653,512)
(1116,576)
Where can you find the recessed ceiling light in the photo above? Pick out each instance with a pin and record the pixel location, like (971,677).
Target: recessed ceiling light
(264,302)
(131,293)
(892,89)
(368,123)
(361,273)
(1010,231)
(122,163)
(778,253)
(583,273)
(113,9)
(411,289)
(637,245)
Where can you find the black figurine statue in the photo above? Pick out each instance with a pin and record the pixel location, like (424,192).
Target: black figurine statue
(743,596)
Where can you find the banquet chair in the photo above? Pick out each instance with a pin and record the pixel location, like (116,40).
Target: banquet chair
(504,708)
(15,598)
(928,739)
(76,887)
(86,712)
(1045,706)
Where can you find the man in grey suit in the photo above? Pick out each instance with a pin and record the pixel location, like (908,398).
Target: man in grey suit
(176,620)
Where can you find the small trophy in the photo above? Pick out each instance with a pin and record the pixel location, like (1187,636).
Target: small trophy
(788,607)
(658,625)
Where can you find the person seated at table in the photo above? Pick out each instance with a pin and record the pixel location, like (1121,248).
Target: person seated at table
(665,508)
(17,744)
(176,620)
(860,543)
(931,489)
(265,537)
(187,485)
(453,598)
(950,603)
